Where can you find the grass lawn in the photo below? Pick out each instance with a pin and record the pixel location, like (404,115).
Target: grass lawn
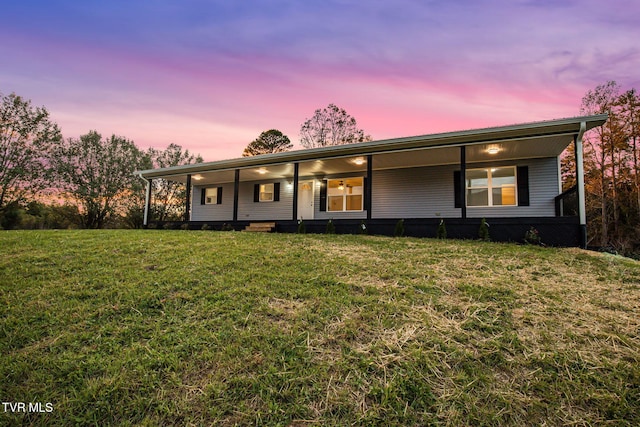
(219,328)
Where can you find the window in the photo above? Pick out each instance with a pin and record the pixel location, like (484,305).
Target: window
(211,196)
(345,194)
(491,187)
(266,193)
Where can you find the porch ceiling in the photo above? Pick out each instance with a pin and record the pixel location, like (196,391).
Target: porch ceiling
(548,146)
(315,168)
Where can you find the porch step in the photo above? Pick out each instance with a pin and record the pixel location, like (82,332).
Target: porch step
(261,227)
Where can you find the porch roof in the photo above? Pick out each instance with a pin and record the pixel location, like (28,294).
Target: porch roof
(528,140)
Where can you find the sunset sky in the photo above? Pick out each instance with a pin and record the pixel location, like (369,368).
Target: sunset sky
(211,75)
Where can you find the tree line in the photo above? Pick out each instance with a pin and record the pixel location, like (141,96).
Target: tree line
(611,167)
(328,126)
(47,181)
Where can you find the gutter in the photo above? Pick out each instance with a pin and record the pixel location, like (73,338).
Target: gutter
(582,214)
(147,200)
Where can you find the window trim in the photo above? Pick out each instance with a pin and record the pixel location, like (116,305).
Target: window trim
(260,192)
(215,200)
(489,187)
(344,195)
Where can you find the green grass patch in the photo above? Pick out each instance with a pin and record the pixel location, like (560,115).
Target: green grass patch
(207,328)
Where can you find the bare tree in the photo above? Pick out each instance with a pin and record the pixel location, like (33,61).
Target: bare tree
(597,101)
(169,196)
(331,126)
(630,104)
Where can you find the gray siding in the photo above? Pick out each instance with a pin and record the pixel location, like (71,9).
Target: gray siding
(427,192)
(221,212)
(424,192)
(248,210)
(543,188)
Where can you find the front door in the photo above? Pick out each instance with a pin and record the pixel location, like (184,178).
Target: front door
(305,200)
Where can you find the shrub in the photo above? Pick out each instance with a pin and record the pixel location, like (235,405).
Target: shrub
(301,227)
(483,231)
(362,229)
(442,230)
(227,227)
(205,227)
(532,237)
(331,229)
(399,230)
(168,226)
(10,216)
(184,226)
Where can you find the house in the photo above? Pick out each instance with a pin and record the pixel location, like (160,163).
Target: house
(509,175)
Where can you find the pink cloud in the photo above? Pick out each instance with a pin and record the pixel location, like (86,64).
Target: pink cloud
(213,79)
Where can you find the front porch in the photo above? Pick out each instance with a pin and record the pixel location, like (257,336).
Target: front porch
(509,175)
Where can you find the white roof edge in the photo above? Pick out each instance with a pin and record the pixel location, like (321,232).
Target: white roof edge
(471,136)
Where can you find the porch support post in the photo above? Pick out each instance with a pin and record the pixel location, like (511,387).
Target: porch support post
(368,188)
(147,203)
(463,180)
(296,171)
(187,203)
(582,213)
(236,191)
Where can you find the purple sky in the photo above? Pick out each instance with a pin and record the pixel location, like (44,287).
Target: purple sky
(211,75)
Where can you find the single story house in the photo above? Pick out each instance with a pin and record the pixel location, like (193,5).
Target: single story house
(509,175)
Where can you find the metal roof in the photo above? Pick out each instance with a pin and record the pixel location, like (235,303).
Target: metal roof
(523,131)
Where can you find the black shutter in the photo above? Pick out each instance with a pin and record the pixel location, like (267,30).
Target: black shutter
(457,180)
(323,196)
(522,180)
(276,192)
(203,193)
(219,201)
(365,187)
(256,193)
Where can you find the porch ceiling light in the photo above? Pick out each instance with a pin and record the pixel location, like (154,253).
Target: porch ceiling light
(493,149)
(359,161)
(262,171)
(197,177)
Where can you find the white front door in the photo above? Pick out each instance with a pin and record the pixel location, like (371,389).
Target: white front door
(305,200)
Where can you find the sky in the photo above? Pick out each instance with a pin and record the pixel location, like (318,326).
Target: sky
(212,75)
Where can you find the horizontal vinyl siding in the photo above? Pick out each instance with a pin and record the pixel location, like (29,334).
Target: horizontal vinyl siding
(427,192)
(543,188)
(248,210)
(424,192)
(221,212)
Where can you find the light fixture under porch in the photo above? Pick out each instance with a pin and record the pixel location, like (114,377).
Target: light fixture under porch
(493,149)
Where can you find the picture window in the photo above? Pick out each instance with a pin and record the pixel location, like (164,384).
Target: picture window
(491,187)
